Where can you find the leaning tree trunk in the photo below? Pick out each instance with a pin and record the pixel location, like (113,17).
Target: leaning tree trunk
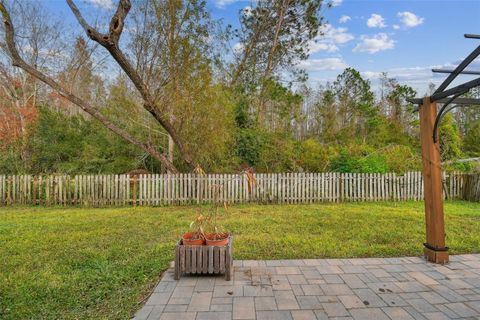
(110,42)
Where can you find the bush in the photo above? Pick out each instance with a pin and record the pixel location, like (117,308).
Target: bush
(366,159)
(313,157)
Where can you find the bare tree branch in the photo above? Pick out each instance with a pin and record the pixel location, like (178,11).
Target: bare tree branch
(17,61)
(110,42)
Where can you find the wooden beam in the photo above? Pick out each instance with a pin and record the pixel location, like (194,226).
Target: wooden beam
(435,250)
(457,101)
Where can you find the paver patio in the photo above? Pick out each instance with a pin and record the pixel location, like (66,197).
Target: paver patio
(373,288)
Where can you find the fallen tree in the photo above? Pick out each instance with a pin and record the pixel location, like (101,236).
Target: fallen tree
(110,41)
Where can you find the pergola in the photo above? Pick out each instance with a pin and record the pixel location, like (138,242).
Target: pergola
(435,249)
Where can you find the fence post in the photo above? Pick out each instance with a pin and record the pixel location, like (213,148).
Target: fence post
(134,190)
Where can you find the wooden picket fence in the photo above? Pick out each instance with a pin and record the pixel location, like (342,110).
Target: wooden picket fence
(471,191)
(165,189)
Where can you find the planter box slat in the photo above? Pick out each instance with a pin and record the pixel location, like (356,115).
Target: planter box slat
(188,260)
(193,265)
(210,259)
(216,259)
(222,260)
(199,261)
(203,260)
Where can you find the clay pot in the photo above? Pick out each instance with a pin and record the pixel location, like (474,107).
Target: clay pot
(188,241)
(217,239)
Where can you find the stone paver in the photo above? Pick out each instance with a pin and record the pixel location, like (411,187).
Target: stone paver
(369,288)
(274,315)
(312,290)
(200,301)
(265,304)
(221,307)
(309,302)
(243,308)
(369,314)
(303,315)
(286,300)
(335,309)
(397,313)
(214,315)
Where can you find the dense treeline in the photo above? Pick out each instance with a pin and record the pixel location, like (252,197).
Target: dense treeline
(314,130)
(245,107)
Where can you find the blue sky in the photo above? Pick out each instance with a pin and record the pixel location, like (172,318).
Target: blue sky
(404,38)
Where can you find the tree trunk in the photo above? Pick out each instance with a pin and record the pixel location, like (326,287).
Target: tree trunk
(171,147)
(17,61)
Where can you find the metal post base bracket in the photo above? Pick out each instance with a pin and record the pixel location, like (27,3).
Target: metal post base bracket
(436,255)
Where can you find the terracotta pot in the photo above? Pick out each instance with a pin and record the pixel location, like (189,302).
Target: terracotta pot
(217,239)
(188,241)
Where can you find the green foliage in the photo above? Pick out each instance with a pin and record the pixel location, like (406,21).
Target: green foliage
(228,109)
(283,107)
(313,157)
(401,158)
(248,146)
(450,140)
(472,140)
(243,118)
(225,130)
(367,159)
(260,149)
(73,144)
(272,148)
(11,162)
(361,162)
(273,160)
(278,35)
(92,263)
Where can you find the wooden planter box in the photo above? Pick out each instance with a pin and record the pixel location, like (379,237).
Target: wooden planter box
(204,260)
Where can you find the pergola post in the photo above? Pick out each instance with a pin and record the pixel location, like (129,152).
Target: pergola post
(435,250)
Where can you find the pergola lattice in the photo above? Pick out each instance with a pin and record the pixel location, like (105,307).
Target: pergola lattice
(435,249)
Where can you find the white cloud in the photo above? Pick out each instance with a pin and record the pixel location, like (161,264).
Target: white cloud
(237,48)
(322,46)
(223,3)
(371,74)
(336,3)
(105,4)
(410,73)
(344,19)
(396,26)
(247,11)
(410,20)
(417,76)
(376,21)
(328,39)
(336,35)
(323,64)
(378,42)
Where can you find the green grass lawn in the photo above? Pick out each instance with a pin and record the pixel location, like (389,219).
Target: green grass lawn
(58,263)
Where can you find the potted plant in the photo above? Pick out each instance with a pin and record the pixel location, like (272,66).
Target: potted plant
(196,237)
(217,237)
(193,257)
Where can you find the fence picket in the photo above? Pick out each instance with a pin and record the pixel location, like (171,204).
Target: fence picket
(166,189)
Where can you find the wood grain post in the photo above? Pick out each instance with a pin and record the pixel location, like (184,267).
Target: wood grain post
(435,250)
